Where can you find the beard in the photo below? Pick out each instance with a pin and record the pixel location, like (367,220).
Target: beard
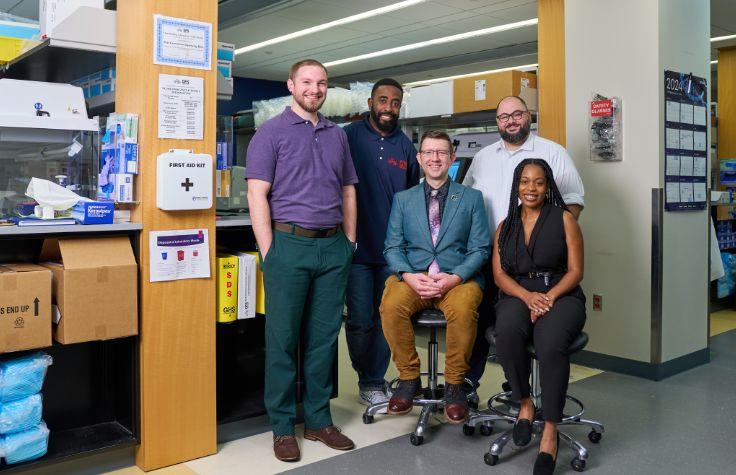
(384,126)
(310,107)
(519,137)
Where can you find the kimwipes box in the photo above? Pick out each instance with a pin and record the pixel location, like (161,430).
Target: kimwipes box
(25,307)
(95,286)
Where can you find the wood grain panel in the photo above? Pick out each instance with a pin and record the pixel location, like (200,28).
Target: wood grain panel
(726,114)
(551,58)
(177,354)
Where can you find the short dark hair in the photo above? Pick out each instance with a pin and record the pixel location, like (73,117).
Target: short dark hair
(305,62)
(515,97)
(436,134)
(387,82)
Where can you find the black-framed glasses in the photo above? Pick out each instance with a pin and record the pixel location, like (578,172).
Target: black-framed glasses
(516,115)
(432,153)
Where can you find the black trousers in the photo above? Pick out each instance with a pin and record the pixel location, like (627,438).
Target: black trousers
(552,334)
(486,318)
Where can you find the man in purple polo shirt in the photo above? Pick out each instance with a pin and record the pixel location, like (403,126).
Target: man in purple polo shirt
(302,203)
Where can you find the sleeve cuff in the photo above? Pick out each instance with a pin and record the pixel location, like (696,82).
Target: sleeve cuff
(257,176)
(573,199)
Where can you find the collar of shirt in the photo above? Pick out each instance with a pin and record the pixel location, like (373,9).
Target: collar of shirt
(293,118)
(441,193)
(527,146)
(393,137)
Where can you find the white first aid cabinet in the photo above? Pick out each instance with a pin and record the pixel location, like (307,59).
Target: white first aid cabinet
(184,180)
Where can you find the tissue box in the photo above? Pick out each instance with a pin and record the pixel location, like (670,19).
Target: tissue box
(127,157)
(25,308)
(226,51)
(225,68)
(23,377)
(122,187)
(95,287)
(94,212)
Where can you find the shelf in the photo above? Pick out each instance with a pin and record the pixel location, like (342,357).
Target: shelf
(77,442)
(104,104)
(235,221)
(55,61)
(70,229)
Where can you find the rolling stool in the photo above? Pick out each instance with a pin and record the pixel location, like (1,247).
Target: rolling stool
(431,400)
(577,463)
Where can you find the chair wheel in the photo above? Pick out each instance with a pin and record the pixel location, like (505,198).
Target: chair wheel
(468,430)
(594,436)
(367,419)
(486,430)
(416,439)
(490,459)
(578,464)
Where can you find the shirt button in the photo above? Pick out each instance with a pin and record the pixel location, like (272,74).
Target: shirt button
(381,148)
(381,158)
(381,139)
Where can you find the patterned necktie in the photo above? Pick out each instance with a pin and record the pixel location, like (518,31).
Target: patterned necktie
(434,227)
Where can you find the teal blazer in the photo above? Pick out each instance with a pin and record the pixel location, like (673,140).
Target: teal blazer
(462,245)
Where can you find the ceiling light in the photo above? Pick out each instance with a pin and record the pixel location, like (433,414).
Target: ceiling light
(449,78)
(722,38)
(715,61)
(324,26)
(437,41)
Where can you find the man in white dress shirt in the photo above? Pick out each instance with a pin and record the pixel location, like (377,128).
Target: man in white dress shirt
(492,171)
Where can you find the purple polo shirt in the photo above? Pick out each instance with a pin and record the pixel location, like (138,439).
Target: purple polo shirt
(307,167)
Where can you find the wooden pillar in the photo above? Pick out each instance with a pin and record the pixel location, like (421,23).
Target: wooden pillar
(551,59)
(727,102)
(177,321)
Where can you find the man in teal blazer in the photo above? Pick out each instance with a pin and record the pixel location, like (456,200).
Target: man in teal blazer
(436,242)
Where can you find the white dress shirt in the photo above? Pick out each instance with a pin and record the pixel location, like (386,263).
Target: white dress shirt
(492,171)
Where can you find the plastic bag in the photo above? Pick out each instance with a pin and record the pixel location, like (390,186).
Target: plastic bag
(726,284)
(21,414)
(49,194)
(27,445)
(23,377)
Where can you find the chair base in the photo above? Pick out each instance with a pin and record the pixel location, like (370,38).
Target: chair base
(495,412)
(431,401)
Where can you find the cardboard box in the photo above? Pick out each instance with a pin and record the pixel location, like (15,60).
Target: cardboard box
(222,183)
(227,288)
(247,272)
(53,12)
(95,287)
(25,307)
(431,100)
(483,92)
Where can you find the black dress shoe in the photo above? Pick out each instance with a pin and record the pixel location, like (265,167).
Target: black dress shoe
(545,463)
(522,432)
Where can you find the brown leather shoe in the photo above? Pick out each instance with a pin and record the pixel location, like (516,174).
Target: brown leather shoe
(456,404)
(401,400)
(331,437)
(285,448)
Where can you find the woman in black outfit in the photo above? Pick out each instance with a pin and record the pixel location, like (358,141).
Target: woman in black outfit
(537,265)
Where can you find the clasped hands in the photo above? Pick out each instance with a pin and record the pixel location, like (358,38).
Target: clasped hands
(538,303)
(429,287)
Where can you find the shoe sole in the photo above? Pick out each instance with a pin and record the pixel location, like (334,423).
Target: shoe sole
(292,459)
(399,413)
(368,404)
(317,439)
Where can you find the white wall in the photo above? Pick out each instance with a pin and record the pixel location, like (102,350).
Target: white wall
(684,46)
(621,49)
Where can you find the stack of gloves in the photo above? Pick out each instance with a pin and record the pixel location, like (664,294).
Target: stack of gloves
(23,434)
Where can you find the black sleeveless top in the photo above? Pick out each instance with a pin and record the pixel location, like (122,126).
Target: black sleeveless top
(546,252)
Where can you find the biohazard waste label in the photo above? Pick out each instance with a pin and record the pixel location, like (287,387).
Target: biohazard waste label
(602,108)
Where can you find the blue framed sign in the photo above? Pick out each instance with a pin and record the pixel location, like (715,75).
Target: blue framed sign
(685,141)
(182,43)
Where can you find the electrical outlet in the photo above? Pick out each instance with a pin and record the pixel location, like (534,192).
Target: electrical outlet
(597,303)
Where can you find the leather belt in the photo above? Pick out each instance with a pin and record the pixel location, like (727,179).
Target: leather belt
(304,232)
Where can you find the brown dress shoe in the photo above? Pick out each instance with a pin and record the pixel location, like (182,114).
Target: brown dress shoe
(401,400)
(285,448)
(331,437)
(456,404)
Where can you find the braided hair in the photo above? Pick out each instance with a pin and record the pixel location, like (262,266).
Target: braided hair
(511,227)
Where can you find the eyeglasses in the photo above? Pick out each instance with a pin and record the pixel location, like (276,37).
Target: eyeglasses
(432,153)
(516,115)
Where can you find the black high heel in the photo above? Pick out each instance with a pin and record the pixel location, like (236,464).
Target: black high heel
(522,431)
(545,463)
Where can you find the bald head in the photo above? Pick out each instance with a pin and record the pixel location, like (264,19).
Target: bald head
(511,103)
